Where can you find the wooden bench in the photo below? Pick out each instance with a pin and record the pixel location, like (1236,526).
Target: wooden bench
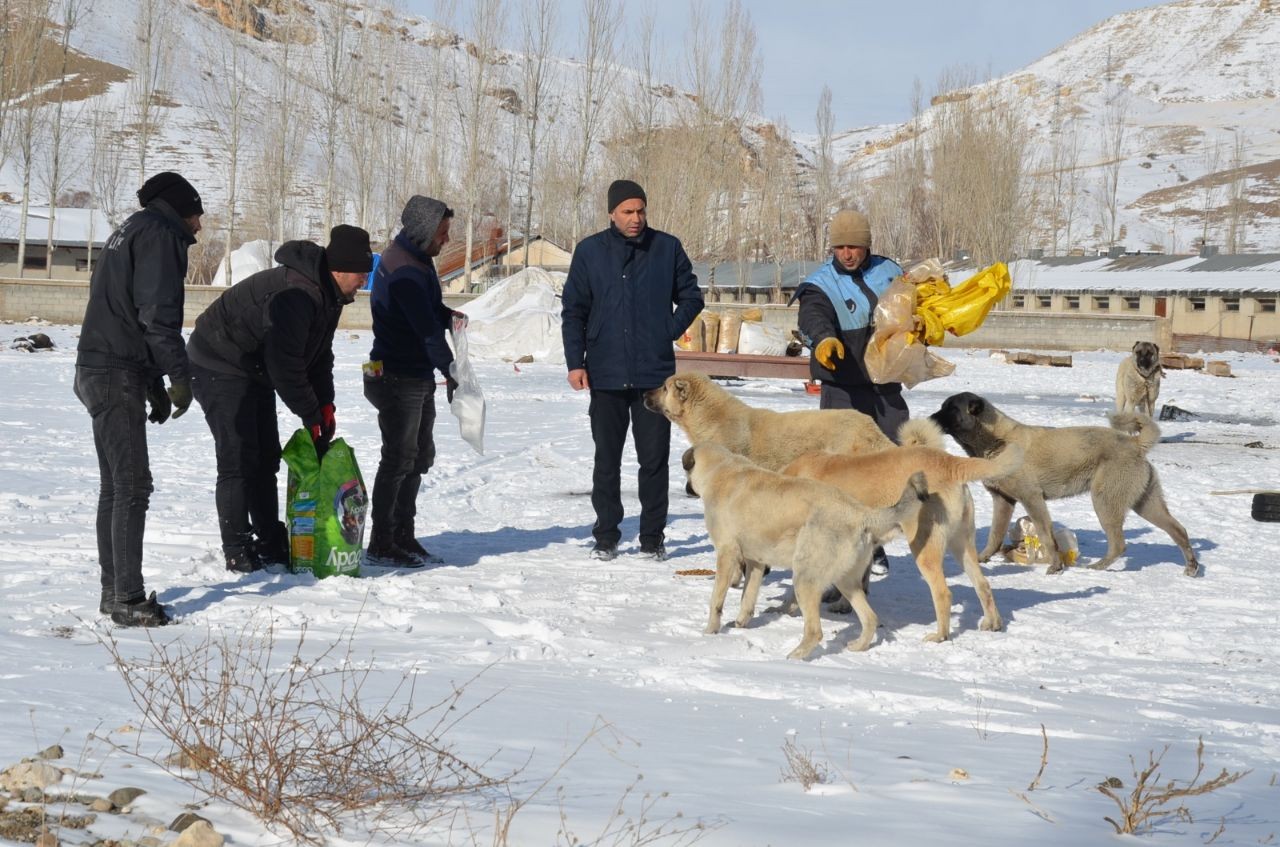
(743,365)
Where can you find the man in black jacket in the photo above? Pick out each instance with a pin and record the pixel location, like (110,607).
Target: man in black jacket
(131,338)
(618,326)
(267,334)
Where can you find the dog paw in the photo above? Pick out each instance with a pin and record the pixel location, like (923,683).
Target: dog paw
(1193,570)
(937,637)
(1055,569)
(802,652)
(988,625)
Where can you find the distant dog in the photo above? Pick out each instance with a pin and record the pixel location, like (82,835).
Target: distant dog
(1138,380)
(1059,462)
(945,520)
(757,517)
(710,415)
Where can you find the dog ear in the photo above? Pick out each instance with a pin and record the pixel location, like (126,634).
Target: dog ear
(976,406)
(1135,346)
(682,388)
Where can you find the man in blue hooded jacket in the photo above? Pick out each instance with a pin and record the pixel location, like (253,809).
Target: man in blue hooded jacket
(618,326)
(409,324)
(837,309)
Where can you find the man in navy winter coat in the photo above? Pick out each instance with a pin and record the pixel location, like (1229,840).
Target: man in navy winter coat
(130,339)
(409,345)
(619,326)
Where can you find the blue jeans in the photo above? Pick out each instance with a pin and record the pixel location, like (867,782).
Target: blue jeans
(406,417)
(116,400)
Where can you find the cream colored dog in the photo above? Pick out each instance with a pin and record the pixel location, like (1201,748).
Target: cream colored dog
(710,415)
(944,522)
(1138,380)
(757,517)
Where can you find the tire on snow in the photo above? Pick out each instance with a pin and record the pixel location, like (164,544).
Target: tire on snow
(1266,507)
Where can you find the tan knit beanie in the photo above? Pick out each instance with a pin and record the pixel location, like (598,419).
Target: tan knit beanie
(850,229)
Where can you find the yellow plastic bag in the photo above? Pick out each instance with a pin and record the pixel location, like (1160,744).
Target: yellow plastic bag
(962,309)
(895,352)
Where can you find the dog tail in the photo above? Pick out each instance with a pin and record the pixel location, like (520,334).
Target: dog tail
(887,522)
(1145,430)
(921,432)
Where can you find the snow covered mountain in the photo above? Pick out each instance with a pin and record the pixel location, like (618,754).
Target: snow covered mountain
(1194,82)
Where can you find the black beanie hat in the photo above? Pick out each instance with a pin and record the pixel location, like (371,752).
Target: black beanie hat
(348,250)
(173,189)
(625,189)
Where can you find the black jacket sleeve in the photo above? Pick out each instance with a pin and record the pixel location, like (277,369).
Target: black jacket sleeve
(159,271)
(284,353)
(577,309)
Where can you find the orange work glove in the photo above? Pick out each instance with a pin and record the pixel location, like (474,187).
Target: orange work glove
(823,352)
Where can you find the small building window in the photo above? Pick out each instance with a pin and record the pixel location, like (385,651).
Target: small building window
(1195,304)
(35,263)
(1044,301)
(1133,303)
(1019,301)
(1101,304)
(1071,301)
(1230,304)
(82,265)
(1266,304)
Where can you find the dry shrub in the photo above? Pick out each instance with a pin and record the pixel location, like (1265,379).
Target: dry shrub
(1152,799)
(801,766)
(300,742)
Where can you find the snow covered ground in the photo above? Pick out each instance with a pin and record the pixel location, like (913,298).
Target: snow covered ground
(923,743)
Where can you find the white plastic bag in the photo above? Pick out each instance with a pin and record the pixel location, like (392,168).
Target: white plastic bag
(760,340)
(468,399)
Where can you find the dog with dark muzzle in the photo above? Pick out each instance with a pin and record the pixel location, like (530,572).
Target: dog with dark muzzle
(1138,380)
(1109,463)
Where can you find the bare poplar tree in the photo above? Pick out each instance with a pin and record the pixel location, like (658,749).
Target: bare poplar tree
(598,28)
(1210,187)
(368,113)
(477,115)
(56,150)
(333,76)
(1114,134)
(106,170)
(539,29)
(438,171)
(824,170)
(1237,199)
(1063,176)
(151,66)
(29,119)
(227,99)
(284,125)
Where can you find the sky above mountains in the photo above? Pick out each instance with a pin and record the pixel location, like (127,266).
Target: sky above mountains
(869,53)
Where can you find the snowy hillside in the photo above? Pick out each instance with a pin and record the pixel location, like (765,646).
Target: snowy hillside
(1191,74)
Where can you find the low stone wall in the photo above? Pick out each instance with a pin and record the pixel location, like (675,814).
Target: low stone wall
(64,302)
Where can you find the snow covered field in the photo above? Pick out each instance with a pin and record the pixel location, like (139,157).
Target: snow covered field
(923,743)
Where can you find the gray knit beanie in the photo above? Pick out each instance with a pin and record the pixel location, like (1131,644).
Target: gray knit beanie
(421,218)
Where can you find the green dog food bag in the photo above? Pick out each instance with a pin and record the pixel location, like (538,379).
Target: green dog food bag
(326,507)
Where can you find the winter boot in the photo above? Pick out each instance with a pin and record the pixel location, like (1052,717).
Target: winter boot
(384,552)
(145,612)
(108,601)
(653,549)
(244,560)
(405,539)
(272,546)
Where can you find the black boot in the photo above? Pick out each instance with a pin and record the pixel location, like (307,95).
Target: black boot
(385,552)
(272,545)
(108,601)
(145,612)
(243,561)
(405,539)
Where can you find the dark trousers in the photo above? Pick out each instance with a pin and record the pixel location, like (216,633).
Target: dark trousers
(610,412)
(116,400)
(887,408)
(406,417)
(241,414)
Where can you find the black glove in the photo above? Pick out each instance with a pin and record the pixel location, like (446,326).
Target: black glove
(450,386)
(180,394)
(159,402)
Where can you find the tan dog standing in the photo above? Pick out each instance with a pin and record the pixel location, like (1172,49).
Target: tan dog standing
(757,517)
(710,415)
(1111,464)
(1138,380)
(944,522)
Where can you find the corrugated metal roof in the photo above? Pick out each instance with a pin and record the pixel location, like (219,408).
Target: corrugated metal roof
(1235,262)
(71,226)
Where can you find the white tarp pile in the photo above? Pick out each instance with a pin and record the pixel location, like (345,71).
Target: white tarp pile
(246,260)
(519,316)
